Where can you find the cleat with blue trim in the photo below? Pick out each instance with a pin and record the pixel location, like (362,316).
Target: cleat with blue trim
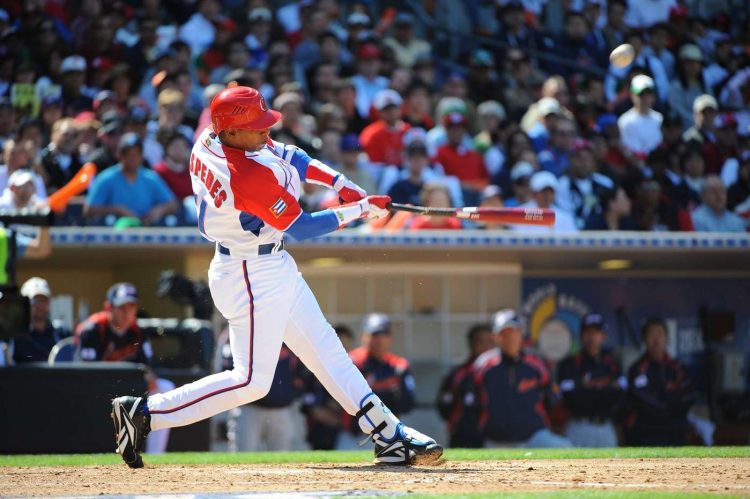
(395,443)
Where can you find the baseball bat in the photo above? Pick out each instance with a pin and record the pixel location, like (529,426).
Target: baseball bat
(522,216)
(59,199)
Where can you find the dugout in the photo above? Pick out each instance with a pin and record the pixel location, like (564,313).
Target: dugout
(436,284)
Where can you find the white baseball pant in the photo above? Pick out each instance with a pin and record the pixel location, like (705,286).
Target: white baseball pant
(266,301)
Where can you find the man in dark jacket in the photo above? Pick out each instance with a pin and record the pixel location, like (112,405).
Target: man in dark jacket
(592,386)
(514,387)
(457,399)
(660,393)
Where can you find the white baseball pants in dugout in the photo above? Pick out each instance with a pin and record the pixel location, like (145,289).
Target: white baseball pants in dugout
(266,301)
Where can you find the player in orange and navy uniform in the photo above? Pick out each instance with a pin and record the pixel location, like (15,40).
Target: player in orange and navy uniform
(457,399)
(660,393)
(113,334)
(514,388)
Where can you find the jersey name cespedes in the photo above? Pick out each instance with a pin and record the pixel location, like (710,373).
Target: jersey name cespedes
(206,176)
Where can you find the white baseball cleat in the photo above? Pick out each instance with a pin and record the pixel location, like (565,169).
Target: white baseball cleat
(395,443)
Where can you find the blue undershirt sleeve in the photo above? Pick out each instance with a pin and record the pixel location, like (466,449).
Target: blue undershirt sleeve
(298,159)
(309,225)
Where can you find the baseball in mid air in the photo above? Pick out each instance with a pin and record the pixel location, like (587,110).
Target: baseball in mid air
(622,55)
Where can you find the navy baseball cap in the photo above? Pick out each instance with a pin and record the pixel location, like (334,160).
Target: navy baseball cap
(593,321)
(121,293)
(376,324)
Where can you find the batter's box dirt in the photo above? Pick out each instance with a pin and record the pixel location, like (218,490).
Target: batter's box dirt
(702,475)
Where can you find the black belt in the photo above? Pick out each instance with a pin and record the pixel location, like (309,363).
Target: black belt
(263,249)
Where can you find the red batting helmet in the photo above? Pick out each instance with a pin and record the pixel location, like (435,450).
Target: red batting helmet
(241,107)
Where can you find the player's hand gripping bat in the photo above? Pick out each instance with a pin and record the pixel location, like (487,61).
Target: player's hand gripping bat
(59,199)
(522,216)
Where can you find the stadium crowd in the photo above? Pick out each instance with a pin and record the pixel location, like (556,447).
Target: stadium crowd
(439,103)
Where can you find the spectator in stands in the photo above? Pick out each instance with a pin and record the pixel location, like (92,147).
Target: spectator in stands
(73,79)
(520,176)
(109,134)
(576,45)
(640,127)
(556,156)
(355,165)
(174,171)
(644,15)
(435,195)
(18,156)
(712,215)
(368,82)
(688,85)
(346,99)
(416,109)
(518,82)
(489,141)
(544,186)
(688,191)
(237,56)
(21,192)
(592,386)
(514,31)
(581,187)
(614,212)
(483,80)
(113,335)
(659,46)
(406,47)
(171,114)
(509,376)
(654,211)
(36,343)
(8,121)
(660,392)
(407,190)
(705,112)
(264,425)
(383,139)
(458,403)
(465,164)
(438,136)
(548,110)
(127,189)
(60,159)
(199,31)
(615,29)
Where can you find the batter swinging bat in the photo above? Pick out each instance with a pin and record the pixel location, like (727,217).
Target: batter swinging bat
(59,199)
(523,216)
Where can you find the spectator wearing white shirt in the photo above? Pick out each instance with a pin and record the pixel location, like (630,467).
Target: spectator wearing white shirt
(544,186)
(16,156)
(20,192)
(199,31)
(645,13)
(640,127)
(712,215)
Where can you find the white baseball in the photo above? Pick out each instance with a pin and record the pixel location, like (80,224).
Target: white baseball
(622,56)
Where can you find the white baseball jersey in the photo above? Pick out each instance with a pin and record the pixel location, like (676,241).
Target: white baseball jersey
(244,199)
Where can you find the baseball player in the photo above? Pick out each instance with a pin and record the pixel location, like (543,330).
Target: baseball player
(247,188)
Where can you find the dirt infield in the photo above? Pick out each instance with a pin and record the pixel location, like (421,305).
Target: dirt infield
(728,476)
